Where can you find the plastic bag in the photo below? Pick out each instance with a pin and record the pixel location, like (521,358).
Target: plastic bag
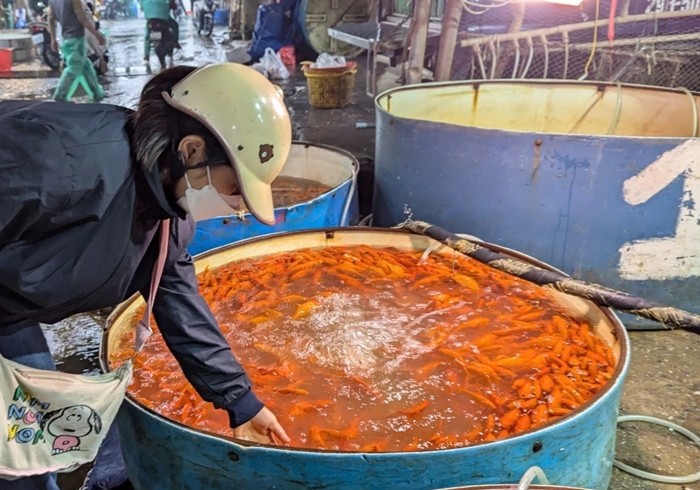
(55,421)
(273,65)
(260,69)
(326,60)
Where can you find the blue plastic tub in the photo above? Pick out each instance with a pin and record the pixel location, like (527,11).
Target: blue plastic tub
(221,17)
(597,179)
(576,450)
(337,207)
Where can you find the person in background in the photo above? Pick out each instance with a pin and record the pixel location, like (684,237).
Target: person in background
(159,9)
(85,189)
(74,22)
(93,43)
(8,14)
(20,18)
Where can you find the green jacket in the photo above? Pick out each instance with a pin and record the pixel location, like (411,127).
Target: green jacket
(156,9)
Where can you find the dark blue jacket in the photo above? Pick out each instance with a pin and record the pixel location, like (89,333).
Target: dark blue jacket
(78,217)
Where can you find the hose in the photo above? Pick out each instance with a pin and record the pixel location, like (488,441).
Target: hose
(595,41)
(600,295)
(531,49)
(516,61)
(530,475)
(565,40)
(470,6)
(481,61)
(618,109)
(434,246)
(677,480)
(543,40)
(366,221)
(348,201)
(695,111)
(494,60)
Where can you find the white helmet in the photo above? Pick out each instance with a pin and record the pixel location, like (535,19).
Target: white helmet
(246,113)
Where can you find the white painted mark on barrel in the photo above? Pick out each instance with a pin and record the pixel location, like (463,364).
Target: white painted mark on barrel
(677,256)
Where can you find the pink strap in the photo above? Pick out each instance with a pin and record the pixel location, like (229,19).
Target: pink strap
(143,329)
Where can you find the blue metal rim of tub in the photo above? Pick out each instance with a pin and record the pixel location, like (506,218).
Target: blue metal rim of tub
(338,206)
(563,197)
(576,450)
(513,486)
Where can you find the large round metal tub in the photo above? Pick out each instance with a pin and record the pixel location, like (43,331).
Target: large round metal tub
(337,207)
(599,180)
(315,17)
(576,450)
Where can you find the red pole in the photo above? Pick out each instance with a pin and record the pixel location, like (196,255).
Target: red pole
(611,25)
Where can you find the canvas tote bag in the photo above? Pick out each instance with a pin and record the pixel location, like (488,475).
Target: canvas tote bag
(54,422)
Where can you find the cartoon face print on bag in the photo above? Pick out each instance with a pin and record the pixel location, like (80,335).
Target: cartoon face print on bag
(68,425)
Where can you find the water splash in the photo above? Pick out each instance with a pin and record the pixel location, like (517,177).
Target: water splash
(346,332)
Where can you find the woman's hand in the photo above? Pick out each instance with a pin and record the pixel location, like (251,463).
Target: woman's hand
(262,428)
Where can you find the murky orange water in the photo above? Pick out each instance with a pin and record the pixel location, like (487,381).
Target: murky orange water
(363,348)
(287,191)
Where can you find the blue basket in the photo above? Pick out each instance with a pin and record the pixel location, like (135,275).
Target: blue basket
(221,17)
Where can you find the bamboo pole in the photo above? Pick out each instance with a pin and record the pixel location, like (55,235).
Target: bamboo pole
(668,316)
(421,16)
(694,36)
(448,39)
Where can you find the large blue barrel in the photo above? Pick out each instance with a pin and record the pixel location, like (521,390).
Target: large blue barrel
(576,450)
(337,207)
(315,17)
(599,180)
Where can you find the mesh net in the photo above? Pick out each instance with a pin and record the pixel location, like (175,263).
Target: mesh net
(545,41)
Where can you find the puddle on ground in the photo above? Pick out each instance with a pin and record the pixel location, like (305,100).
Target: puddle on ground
(75,342)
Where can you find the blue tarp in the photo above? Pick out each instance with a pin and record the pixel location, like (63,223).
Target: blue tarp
(274,28)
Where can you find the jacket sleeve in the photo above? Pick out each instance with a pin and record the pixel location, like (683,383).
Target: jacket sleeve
(193,336)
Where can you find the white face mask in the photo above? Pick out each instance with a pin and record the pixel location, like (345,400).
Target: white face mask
(206,203)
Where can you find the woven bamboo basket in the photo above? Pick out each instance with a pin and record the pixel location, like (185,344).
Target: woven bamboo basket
(330,88)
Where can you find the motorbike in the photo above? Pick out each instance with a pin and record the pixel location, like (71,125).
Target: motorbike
(177,9)
(39,27)
(203,16)
(98,55)
(162,40)
(114,9)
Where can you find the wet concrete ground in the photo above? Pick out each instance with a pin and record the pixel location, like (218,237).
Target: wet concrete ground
(664,376)
(127,71)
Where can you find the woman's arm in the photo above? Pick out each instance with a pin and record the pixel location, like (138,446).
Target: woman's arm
(193,336)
